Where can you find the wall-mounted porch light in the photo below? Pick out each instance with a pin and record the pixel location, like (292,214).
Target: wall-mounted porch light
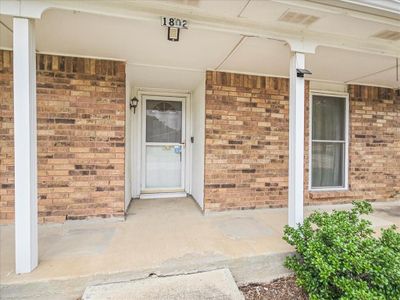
(302,72)
(134,103)
(174,26)
(173,34)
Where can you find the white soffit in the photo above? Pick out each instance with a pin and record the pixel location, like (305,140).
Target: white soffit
(215,7)
(345,25)
(260,56)
(163,78)
(132,40)
(343,65)
(386,78)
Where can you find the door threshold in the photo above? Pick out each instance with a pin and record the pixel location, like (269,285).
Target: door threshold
(163,195)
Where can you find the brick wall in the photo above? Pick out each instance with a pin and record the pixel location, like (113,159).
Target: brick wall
(81,127)
(6,140)
(246,163)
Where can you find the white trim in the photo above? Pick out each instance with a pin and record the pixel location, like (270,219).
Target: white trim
(329,189)
(163,92)
(158,91)
(182,143)
(164,67)
(163,195)
(198,133)
(162,190)
(25,146)
(330,141)
(128,145)
(81,56)
(296,141)
(382,5)
(71,55)
(188,144)
(136,135)
(248,73)
(345,187)
(24,8)
(370,84)
(328,93)
(137,132)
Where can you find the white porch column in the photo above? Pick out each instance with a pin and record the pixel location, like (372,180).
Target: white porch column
(296,141)
(26,235)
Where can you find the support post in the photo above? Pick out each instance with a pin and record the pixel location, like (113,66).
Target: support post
(296,141)
(26,231)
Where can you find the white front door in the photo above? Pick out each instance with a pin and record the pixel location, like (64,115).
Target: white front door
(163,153)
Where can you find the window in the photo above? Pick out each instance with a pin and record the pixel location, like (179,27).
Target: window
(163,121)
(328,142)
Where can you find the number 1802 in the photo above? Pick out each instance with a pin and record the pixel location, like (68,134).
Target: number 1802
(173,22)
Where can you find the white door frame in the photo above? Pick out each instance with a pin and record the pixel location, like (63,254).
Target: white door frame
(137,162)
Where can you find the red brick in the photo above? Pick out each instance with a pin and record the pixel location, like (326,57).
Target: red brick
(80,110)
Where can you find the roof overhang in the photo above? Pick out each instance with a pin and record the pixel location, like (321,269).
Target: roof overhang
(305,41)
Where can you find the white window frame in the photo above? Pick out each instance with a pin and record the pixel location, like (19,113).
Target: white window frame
(345,187)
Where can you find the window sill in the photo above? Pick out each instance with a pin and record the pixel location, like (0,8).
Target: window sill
(328,189)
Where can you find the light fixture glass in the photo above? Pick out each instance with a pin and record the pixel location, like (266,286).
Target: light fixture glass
(173,34)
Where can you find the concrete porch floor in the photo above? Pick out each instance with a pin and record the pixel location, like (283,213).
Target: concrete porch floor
(161,236)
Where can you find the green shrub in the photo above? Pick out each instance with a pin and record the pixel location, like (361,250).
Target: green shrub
(338,256)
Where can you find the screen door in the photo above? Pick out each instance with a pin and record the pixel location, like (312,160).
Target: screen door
(163,144)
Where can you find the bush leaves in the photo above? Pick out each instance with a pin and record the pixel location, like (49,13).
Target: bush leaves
(338,257)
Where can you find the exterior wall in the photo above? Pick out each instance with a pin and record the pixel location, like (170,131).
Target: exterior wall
(246,164)
(374,148)
(6,139)
(81,138)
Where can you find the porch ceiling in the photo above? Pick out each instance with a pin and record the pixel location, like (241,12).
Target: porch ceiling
(155,62)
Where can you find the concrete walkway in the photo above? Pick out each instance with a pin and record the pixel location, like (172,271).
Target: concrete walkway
(218,284)
(161,236)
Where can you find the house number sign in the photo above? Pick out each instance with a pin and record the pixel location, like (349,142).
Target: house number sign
(174,22)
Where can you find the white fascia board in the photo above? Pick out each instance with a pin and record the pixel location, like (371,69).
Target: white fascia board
(358,9)
(23,8)
(391,6)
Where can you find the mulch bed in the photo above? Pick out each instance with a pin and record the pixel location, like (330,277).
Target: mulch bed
(279,289)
